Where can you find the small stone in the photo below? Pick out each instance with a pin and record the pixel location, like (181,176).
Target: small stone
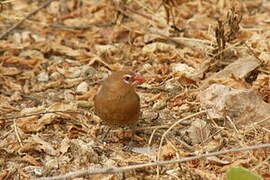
(180,67)
(43,77)
(159,105)
(82,87)
(52,163)
(149,115)
(55,75)
(184,107)
(88,71)
(172,84)
(147,67)
(56,59)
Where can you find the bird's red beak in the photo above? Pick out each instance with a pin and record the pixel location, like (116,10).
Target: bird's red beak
(138,79)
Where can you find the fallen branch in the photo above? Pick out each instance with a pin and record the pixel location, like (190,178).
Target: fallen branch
(158,163)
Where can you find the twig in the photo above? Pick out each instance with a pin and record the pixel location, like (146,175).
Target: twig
(267,130)
(16,133)
(187,146)
(232,123)
(38,114)
(258,123)
(151,137)
(158,163)
(5,135)
(265,161)
(153,127)
(26,17)
(252,52)
(81,28)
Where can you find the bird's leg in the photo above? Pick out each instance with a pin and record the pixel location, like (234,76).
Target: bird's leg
(131,143)
(133,133)
(105,135)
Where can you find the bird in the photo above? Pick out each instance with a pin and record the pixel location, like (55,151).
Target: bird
(116,102)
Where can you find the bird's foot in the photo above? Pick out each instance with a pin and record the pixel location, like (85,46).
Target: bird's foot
(105,135)
(128,147)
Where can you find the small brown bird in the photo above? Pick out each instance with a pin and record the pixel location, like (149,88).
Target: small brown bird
(117,103)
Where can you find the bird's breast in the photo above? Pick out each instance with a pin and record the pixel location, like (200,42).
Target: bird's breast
(118,109)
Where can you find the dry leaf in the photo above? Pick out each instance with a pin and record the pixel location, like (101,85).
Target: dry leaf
(240,69)
(65,144)
(19,61)
(216,160)
(31,160)
(242,106)
(198,131)
(10,71)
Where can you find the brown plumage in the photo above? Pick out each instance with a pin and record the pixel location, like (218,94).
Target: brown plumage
(117,103)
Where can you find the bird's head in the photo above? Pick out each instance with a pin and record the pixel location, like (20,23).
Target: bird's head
(133,79)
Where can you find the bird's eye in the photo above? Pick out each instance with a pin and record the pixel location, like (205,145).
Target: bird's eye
(127,79)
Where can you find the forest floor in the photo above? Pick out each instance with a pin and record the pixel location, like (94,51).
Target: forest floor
(207,66)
